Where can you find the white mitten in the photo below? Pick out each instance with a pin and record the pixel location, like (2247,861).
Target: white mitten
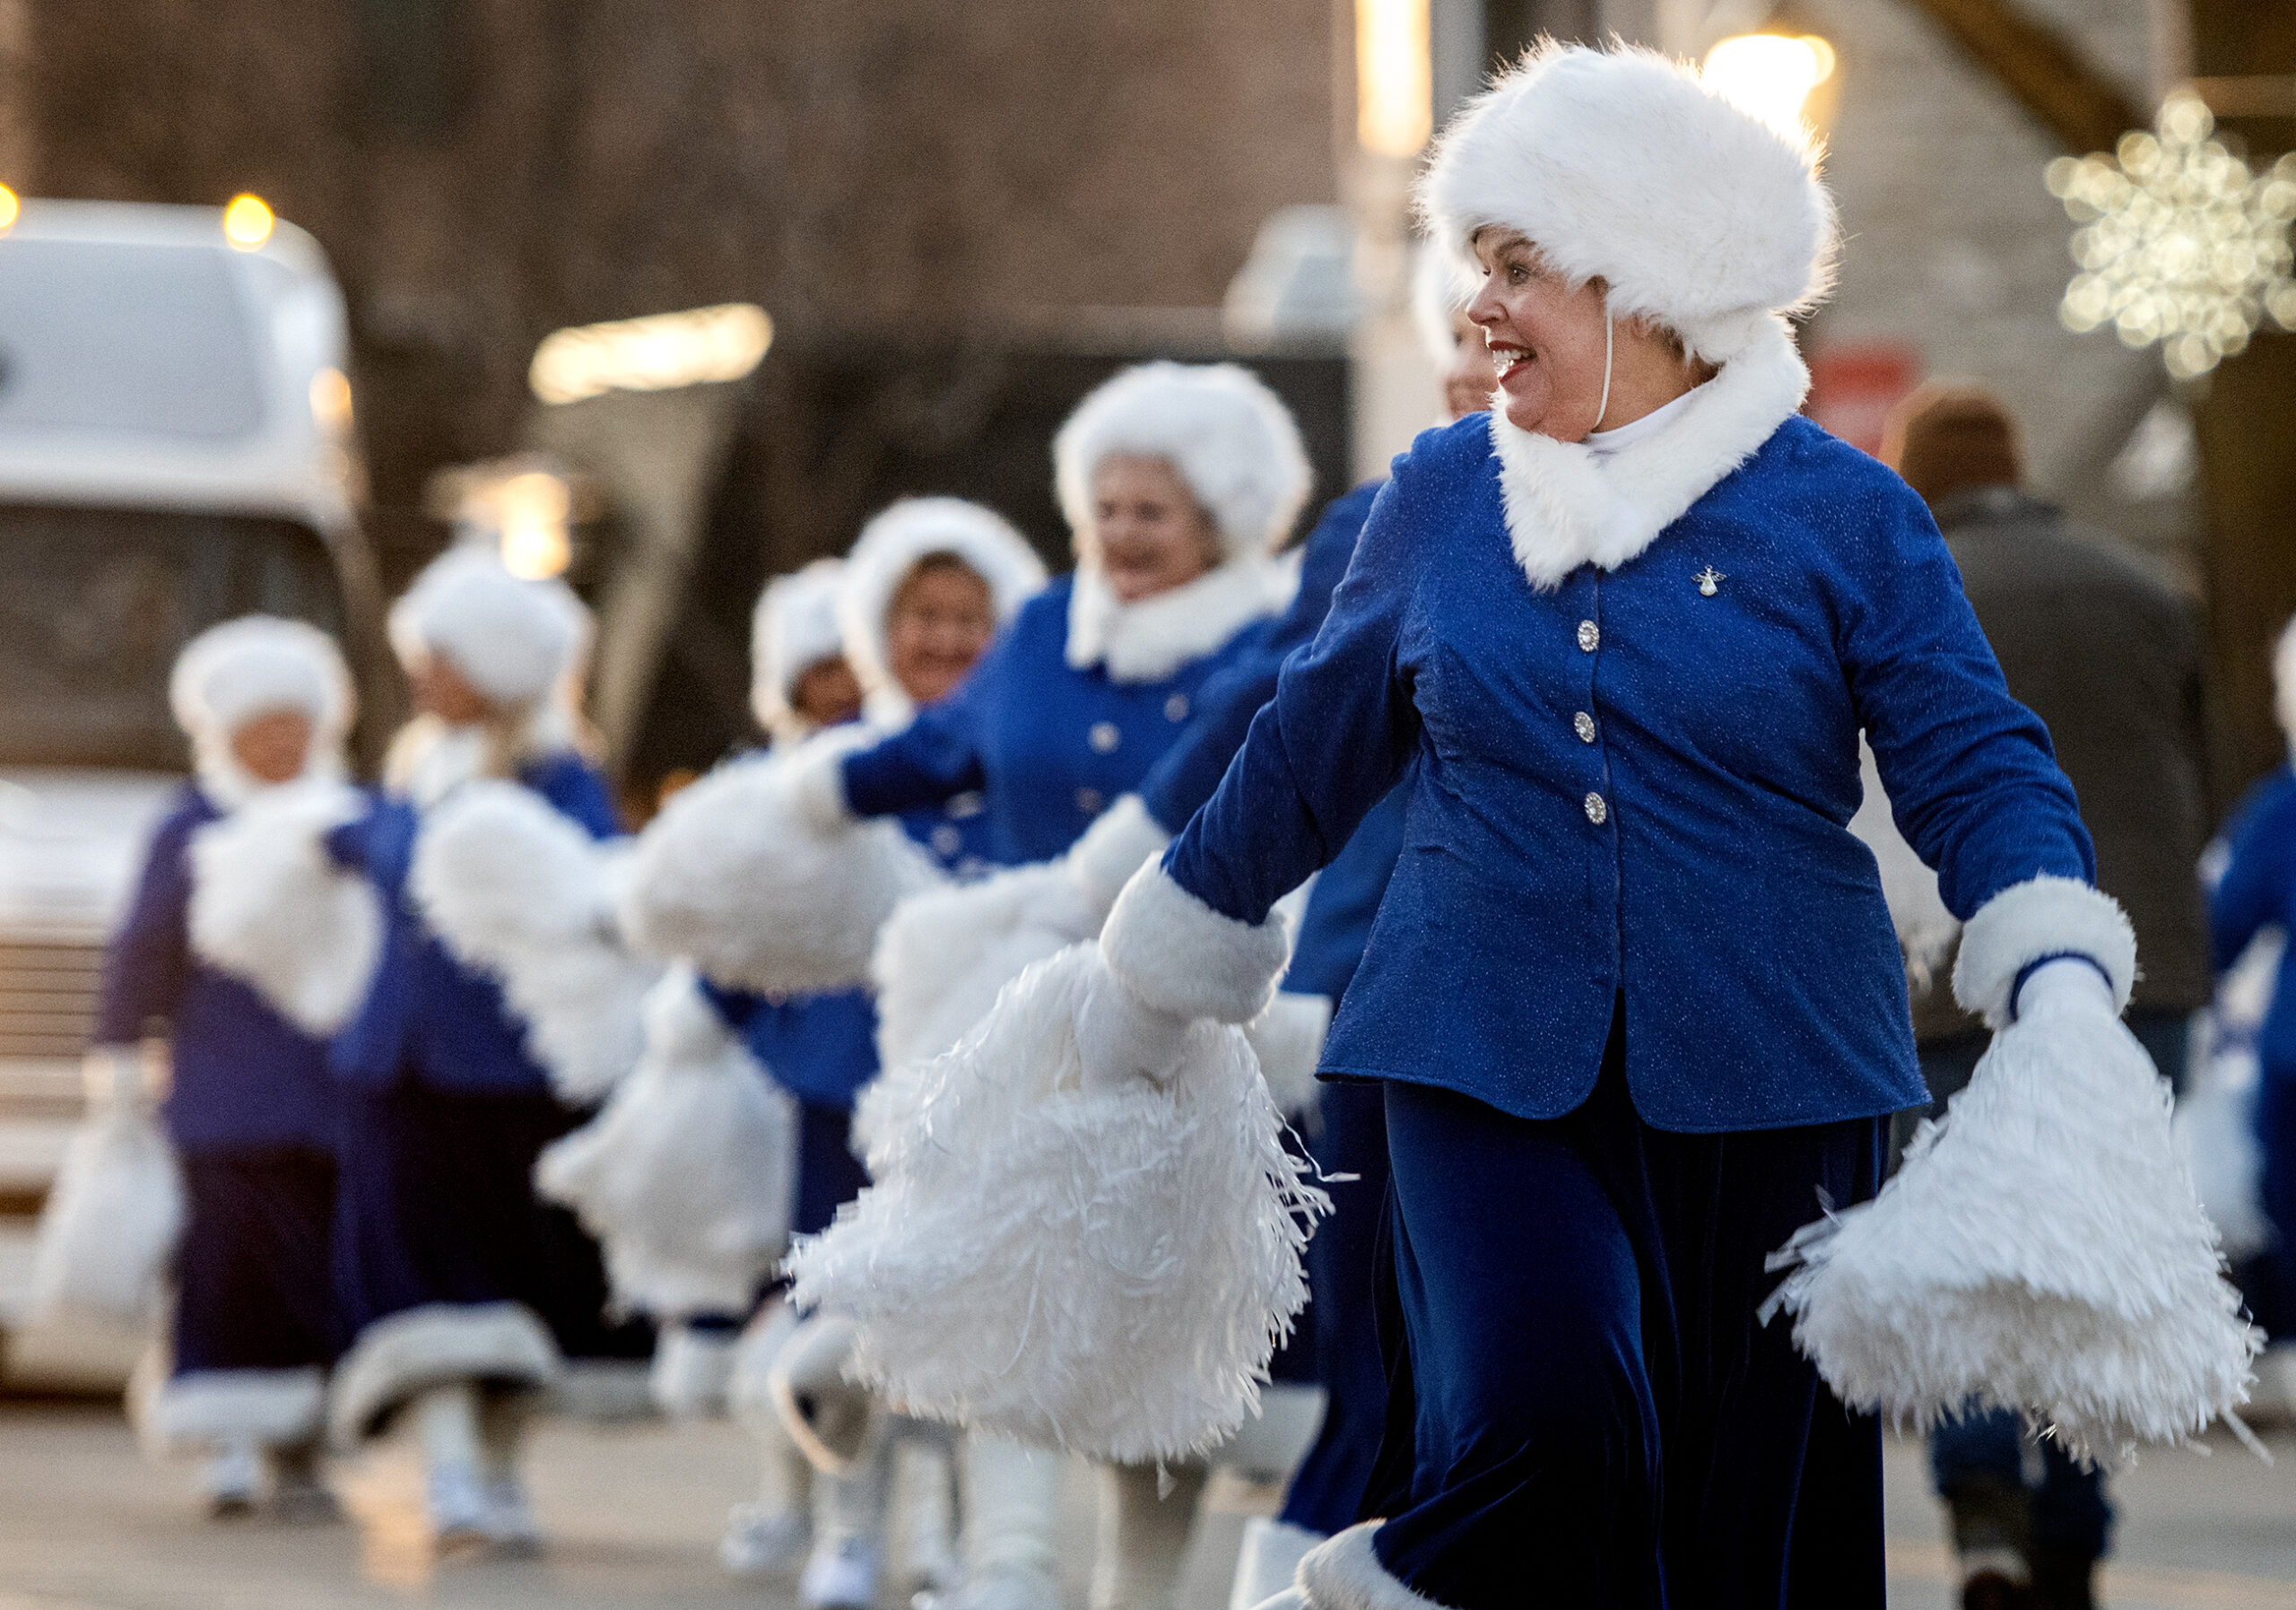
(1288,1039)
(1120,1038)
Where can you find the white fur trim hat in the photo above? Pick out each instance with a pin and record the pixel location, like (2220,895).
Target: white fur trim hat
(1229,438)
(794,628)
(892,545)
(513,639)
(1620,165)
(254,665)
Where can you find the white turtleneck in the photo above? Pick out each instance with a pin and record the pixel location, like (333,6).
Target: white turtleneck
(1604,443)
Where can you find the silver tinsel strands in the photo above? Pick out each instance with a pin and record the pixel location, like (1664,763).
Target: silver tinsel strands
(2180,243)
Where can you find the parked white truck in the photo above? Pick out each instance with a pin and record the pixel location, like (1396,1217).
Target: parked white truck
(175,450)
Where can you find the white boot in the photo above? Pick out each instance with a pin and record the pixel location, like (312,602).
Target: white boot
(1012,1494)
(849,1527)
(772,1537)
(511,1530)
(1146,1516)
(691,1372)
(923,1489)
(453,1493)
(1268,1559)
(230,1478)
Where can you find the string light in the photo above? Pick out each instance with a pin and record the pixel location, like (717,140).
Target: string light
(2179,242)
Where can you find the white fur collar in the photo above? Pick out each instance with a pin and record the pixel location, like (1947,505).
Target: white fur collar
(1148,640)
(430,759)
(1568,505)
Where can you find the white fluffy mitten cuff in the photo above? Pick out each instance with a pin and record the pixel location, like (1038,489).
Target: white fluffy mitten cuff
(1180,956)
(2031,921)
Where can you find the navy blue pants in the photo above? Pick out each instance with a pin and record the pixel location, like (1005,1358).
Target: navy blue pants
(436,1204)
(1583,1410)
(1327,1491)
(253,1287)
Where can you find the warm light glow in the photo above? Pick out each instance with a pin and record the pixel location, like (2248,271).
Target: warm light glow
(331,399)
(9,208)
(2180,243)
(1769,75)
(248,221)
(1393,77)
(534,508)
(654,353)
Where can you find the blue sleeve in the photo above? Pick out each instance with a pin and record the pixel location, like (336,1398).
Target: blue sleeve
(149,956)
(575,789)
(1972,779)
(1184,778)
(933,758)
(2259,872)
(1336,736)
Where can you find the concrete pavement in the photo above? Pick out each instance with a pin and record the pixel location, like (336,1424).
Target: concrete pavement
(633,1512)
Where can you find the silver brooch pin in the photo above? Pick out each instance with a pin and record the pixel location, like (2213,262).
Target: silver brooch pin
(1710,581)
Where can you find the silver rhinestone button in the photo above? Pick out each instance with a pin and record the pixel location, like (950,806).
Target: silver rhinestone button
(1104,737)
(1591,637)
(1597,811)
(1583,725)
(1176,707)
(1088,800)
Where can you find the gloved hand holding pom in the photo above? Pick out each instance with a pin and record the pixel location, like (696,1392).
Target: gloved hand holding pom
(1103,1263)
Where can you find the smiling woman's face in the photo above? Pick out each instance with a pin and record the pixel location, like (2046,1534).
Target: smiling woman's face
(1545,335)
(1152,534)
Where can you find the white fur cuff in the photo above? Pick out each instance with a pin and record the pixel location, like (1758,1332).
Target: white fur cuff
(1345,1574)
(1114,847)
(1179,955)
(273,1409)
(2045,916)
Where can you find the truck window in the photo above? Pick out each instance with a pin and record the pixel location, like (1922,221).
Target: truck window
(95,603)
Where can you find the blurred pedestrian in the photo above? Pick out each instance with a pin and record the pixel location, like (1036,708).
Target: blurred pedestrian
(250,1108)
(466,1295)
(2107,654)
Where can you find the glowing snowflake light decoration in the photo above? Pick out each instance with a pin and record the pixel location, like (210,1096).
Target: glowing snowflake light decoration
(2179,242)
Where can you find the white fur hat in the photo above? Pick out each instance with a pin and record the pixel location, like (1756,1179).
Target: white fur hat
(515,640)
(1620,165)
(1231,440)
(915,528)
(2284,680)
(793,628)
(1440,288)
(256,665)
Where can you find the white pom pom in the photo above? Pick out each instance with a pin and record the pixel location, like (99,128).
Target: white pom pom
(731,877)
(515,889)
(1109,1273)
(687,1177)
(107,1231)
(270,907)
(2042,1249)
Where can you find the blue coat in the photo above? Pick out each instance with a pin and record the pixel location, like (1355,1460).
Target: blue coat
(2258,889)
(1628,789)
(244,1076)
(426,1016)
(1048,746)
(822,1048)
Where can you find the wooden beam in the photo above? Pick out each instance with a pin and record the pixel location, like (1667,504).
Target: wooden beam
(2043,70)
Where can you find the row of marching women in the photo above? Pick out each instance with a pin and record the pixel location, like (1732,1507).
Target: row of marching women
(937,1056)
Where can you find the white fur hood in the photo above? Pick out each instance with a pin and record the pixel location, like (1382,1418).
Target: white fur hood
(1568,505)
(1148,640)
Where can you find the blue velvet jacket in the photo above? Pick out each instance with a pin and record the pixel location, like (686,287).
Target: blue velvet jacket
(2258,889)
(1046,747)
(822,1048)
(244,1076)
(1627,786)
(426,1016)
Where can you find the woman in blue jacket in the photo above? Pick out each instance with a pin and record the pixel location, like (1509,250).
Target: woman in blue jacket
(1178,483)
(464,1292)
(266,703)
(1632,999)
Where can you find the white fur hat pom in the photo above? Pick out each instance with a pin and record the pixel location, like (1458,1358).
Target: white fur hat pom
(514,639)
(1620,165)
(1230,439)
(254,665)
(890,547)
(794,628)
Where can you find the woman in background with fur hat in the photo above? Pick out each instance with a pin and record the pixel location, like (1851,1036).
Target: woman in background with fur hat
(1634,997)
(465,1293)
(266,703)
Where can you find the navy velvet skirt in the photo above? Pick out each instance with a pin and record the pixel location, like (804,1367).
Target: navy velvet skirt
(436,1204)
(253,1285)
